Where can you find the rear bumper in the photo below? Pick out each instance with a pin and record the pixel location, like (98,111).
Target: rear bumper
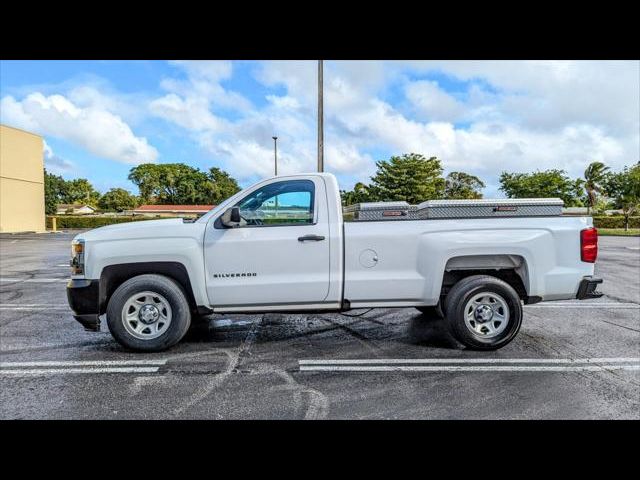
(84,299)
(587,288)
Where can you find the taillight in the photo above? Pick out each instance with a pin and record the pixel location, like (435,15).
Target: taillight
(589,245)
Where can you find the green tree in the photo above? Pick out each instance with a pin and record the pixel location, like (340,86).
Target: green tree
(460,185)
(117,200)
(224,185)
(360,193)
(172,183)
(624,189)
(543,184)
(410,177)
(54,186)
(594,175)
(80,190)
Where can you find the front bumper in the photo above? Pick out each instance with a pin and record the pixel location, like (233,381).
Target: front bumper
(587,288)
(84,299)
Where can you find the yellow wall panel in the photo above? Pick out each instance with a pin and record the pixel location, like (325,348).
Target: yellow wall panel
(21,181)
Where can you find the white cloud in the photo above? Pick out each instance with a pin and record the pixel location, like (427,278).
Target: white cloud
(54,163)
(191,112)
(97,130)
(551,94)
(433,103)
(517,116)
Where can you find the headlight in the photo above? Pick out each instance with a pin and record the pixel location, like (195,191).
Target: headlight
(77,257)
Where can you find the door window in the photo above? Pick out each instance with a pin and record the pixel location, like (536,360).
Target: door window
(280,203)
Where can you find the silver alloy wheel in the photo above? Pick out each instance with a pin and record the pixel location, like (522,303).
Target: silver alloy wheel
(486,315)
(146,315)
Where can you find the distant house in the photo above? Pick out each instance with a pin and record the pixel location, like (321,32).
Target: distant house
(78,209)
(171,210)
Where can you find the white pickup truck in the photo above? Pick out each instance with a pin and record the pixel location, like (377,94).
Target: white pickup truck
(281,245)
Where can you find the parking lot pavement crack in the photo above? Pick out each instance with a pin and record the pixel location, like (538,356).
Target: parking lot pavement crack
(61,346)
(353,332)
(317,404)
(234,360)
(620,299)
(567,349)
(621,326)
(213,382)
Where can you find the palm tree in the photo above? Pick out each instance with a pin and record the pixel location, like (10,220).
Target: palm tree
(594,175)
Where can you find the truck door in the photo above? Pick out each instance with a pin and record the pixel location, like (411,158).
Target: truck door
(281,255)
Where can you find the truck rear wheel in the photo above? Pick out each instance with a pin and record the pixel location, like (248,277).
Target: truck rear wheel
(483,312)
(148,313)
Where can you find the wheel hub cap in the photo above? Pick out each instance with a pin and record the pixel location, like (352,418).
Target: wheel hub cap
(484,313)
(148,314)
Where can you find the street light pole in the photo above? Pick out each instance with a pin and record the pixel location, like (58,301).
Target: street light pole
(275,154)
(320,120)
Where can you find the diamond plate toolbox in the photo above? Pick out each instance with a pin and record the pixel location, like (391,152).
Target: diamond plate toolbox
(490,208)
(372,211)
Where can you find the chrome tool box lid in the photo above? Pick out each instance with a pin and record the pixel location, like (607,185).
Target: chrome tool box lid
(378,211)
(487,207)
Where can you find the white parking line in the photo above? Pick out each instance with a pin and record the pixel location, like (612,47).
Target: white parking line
(586,305)
(63,371)
(390,361)
(471,364)
(62,367)
(32,309)
(81,363)
(33,280)
(466,368)
(41,305)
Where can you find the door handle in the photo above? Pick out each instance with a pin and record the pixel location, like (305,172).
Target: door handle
(314,238)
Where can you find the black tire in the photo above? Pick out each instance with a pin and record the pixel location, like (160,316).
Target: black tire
(462,292)
(431,312)
(174,295)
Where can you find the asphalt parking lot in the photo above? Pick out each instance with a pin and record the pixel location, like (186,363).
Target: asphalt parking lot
(571,360)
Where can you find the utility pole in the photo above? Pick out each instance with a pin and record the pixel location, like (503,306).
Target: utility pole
(320,120)
(275,154)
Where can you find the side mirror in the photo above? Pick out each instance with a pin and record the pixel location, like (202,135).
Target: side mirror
(231,218)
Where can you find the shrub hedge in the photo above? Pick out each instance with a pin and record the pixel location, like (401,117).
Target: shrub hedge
(87,221)
(616,221)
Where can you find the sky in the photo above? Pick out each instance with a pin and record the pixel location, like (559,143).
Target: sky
(101,118)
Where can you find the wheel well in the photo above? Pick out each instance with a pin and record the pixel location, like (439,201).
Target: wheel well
(113,276)
(508,275)
(509,268)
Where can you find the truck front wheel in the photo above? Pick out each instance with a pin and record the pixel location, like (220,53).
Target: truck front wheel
(148,313)
(483,312)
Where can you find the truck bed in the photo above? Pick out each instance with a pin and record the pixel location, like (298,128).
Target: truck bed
(411,258)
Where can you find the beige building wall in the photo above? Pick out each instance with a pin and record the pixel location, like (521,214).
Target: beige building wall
(21,181)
